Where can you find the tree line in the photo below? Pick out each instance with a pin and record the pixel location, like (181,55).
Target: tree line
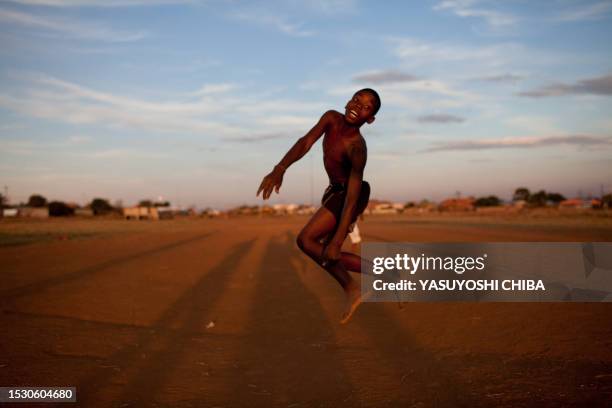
(98,206)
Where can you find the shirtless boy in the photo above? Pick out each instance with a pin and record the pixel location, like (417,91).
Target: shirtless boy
(344,158)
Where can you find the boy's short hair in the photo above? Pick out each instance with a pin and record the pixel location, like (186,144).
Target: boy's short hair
(376,98)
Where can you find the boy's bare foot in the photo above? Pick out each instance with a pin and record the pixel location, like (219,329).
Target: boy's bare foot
(353,300)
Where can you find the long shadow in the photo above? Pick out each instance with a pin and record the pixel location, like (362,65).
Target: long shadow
(144,387)
(14,293)
(424,380)
(540,381)
(288,356)
(497,379)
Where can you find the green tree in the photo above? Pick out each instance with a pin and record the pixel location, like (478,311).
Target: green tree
(145,203)
(555,197)
(59,209)
(521,193)
(490,201)
(100,206)
(424,203)
(538,199)
(36,200)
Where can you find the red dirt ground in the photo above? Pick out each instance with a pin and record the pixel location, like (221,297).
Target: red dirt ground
(228,313)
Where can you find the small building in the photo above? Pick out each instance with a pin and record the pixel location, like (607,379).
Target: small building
(519,204)
(140,213)
(167,213)
(457,204)
(210,213)
(9,212)
(266,210)
(285,209)
(306,210)
(34,212)
(83,212)
(384,207)
(575,203)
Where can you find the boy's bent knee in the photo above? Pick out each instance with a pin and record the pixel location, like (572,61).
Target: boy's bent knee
(301,240)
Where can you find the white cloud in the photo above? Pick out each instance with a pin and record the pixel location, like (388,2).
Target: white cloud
(125,154)
(414,51)
(328,7)
(582,141)
(534,124)
(468,8)
(210,89)
(275,21)
(384,76)
(418,95)
(91,31)
(79,139)
(585,12)
(216,113)
(98,3)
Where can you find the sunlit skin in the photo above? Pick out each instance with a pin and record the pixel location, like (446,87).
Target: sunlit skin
(344,158)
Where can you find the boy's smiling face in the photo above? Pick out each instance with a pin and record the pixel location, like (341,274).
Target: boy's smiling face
(360,109)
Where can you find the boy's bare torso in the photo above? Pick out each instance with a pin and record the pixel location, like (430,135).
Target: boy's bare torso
(337,142)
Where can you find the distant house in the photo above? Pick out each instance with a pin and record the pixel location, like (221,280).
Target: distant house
(210,213)
(34,212)
(245,210)
(285,208)
(166,212)
(306,210)
(575,203)
(457,204)
(9,212)
(83,212)
(520,204)
(384,207)
(266,210)
(140,213)
(596,203)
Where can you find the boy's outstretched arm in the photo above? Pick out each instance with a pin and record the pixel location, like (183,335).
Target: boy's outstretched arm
(274,179)
(358,157)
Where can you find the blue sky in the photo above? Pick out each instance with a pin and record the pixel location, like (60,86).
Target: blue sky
(195,101)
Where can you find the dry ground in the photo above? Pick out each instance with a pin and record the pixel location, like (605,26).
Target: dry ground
(228,313)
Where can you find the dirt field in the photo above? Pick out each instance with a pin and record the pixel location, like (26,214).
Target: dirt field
(228,313)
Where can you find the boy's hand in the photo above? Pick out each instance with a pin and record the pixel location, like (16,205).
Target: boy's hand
(271,182)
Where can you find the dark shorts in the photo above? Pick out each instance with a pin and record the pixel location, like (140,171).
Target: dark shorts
(335,194)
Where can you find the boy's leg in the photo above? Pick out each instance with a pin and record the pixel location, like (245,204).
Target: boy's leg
(320,227)
(314,236)
(322,224)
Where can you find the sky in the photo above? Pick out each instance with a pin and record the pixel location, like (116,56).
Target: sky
(195,101)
